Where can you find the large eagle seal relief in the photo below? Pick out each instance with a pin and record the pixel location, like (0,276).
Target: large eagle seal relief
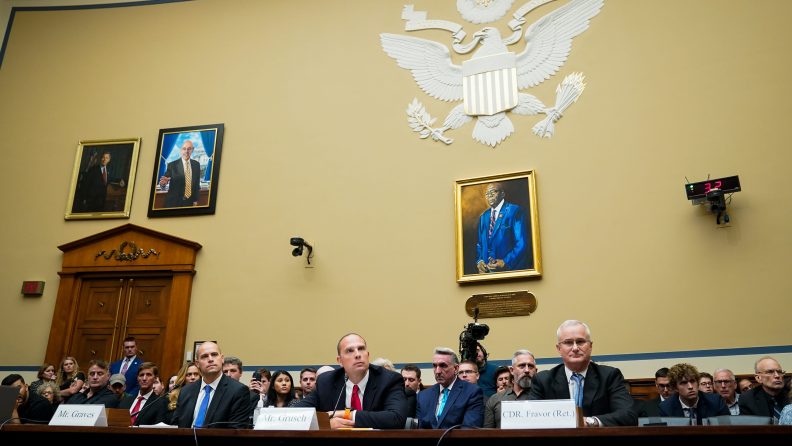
(489,83)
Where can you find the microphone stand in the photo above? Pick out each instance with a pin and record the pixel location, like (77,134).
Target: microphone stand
(346,378)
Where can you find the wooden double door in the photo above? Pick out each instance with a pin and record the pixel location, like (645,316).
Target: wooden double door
(112,308)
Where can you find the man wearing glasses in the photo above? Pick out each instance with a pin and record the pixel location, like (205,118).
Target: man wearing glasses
(767,399)
(502,235)
(726,386)
(468,371)
(597,389)
(652,407)
(523,369)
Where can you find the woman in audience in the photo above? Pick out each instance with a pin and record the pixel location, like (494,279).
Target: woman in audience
(70,379)
(188,374)
(281,392)
(51,392)
(172,382)
(503,378)
(705,383)
(45,374)
(786,414)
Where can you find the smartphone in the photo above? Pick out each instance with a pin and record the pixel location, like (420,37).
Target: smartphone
(257,376)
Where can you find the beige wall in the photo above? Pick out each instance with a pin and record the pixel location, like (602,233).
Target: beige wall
(317,145)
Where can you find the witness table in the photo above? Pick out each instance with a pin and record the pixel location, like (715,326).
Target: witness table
(627,436)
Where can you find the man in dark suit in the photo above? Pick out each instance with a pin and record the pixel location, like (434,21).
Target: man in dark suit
(145,408)
(184,175)
(768,399)
(216,400)
(691,402)
(451,401)
(383,406)
(97,393)
(604,399)
(94,185)
(128,366)
(502,235)
(651,408)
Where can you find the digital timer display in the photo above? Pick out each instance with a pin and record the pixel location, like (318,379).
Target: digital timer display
(32,288)
(700,190)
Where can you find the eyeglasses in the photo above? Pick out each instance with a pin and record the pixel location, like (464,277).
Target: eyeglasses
(706,384)
(664,386)
(773,372)
(724,382)
(466,372)
(568,343)
(48,392)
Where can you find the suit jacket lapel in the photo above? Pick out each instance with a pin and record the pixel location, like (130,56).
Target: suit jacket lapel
(434,393)
(339,384)
(561,385)
(590,386)
(452,396)
(371,391)
(190,402)
(218,395)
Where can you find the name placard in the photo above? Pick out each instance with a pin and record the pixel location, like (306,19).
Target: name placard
(544,414)
(79,415)
(286,419)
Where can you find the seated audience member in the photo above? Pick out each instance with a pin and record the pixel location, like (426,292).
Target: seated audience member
(597,389)
(637,404)
(145,408)
(486,372)
(726,386)
(281,390)
(786,414)
(260,387)
(188,374)
(691,402)
(651,408)
(323,369)
(70,379)
(232,367)
(298,394)
(451,401)
(97,393)
(384,363)
(46,374)
(468,371)
(412,377)
(705,383)
(128,366)
(51,392)
(159,389)
(32,407)
(744,385)
(307,381)
(767,399)
(523,369)
(231,399)
(172,382)
(374,395)
(117,385)
(503,378)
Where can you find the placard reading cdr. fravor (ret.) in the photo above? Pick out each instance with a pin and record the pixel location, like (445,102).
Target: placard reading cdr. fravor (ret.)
(544,414)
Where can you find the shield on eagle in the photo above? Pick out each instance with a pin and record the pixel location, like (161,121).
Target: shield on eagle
(489,84)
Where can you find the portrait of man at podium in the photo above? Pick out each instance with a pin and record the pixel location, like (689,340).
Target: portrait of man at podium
(103,179)
(497,228)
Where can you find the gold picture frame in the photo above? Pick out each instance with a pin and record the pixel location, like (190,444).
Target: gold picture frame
(508,244)
(103,188)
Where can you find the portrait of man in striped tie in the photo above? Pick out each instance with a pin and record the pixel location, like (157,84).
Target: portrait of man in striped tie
(502,234)
(184,176)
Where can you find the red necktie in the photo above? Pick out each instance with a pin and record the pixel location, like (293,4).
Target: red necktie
(124,369)
(355,403)
(104,175)
(136,408)
(492,222)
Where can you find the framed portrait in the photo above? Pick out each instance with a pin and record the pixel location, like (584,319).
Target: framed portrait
(497,227)
(103,179)
(186,171)
(197,344)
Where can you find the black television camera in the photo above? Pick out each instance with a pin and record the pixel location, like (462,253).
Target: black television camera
(469,338)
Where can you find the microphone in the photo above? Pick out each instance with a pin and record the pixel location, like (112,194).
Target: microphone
(149,404)
(346,378)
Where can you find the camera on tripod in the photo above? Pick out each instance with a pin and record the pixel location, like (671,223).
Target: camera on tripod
(468,339)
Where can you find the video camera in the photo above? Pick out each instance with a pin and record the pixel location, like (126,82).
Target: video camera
(469,338)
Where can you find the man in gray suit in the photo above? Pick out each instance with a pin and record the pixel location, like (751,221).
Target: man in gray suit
(597,389)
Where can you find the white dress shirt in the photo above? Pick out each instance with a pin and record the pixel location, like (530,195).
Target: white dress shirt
(686,409)
(497,209)
(571,383)
(202,395)
(361,390)
(142,402)
(440,397)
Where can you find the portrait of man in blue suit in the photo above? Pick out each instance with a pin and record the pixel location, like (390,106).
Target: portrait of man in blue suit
(503,244)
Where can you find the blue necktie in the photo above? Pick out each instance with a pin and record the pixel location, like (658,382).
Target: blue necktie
(442,403)
(776,409)
(199,420)
(578,378)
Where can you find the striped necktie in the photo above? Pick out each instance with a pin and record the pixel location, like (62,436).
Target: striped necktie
(578,378)
(776,409)
(492,222)
(187,180)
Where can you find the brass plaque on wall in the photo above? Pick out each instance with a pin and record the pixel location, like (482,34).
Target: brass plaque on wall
(511,303)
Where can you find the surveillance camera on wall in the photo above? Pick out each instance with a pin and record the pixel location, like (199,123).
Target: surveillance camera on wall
(301,244)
